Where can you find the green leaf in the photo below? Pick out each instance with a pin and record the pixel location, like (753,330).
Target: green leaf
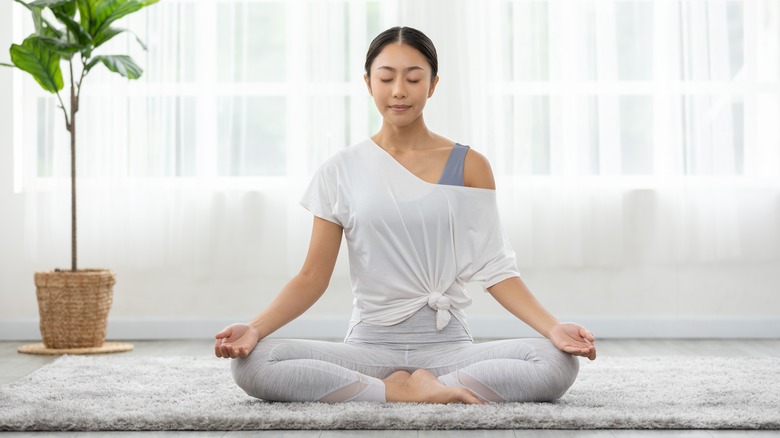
(69,8)
(117,31)
(106,12)
(143,45)
(106,35)
(86,15)
(50,31)
(63,48)
(122,64)
(6,65)
(97,15)
(42,26)
(51,3)
(74,27)
(37,58)
(39,21)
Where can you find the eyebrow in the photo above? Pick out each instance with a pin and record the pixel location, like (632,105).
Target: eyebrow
(387,67)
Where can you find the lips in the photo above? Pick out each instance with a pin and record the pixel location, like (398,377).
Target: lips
(400,107)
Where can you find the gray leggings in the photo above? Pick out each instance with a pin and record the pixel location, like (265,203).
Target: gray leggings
(516,370)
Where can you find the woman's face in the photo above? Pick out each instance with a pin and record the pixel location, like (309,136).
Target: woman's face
(400,83)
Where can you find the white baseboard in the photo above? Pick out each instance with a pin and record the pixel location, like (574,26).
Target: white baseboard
(334,327)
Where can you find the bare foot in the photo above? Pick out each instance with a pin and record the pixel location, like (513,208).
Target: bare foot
(423,387)
(398,377)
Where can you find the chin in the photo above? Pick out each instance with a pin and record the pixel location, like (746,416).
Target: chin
(401,121)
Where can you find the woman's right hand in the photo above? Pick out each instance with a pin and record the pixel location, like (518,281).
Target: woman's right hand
(236,340)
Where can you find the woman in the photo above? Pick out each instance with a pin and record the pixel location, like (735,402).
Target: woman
(420,219)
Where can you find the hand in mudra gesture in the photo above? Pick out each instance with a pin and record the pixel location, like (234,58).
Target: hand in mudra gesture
(236,340)
(573,339)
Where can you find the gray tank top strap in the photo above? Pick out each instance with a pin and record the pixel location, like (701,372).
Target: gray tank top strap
(453,170)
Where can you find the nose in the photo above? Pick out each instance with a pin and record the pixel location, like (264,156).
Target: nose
(399,89)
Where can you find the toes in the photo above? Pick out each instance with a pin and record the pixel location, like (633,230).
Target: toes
(469,398)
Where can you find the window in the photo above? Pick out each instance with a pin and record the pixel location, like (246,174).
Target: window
(265,89)
(636,87)
(621,132)
(231,89)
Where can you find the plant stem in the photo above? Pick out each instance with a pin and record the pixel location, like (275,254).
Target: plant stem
(74,106)
(62,105)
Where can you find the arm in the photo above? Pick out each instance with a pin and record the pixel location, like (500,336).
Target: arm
(513,294)
(515,297)
(300,293)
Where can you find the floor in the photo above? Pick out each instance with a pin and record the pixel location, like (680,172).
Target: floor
(14,366)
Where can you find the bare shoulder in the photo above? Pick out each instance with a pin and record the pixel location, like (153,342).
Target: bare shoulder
(477,171)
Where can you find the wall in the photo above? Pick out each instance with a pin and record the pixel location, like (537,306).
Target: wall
(184,300)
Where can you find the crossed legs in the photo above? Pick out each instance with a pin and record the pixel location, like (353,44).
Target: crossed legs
(305,370)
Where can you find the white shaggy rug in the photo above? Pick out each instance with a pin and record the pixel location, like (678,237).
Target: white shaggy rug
(78,393)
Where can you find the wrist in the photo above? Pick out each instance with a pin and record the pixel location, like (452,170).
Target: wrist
(256,328)
(547,328)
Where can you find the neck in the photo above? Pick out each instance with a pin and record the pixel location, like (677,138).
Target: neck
(404,138)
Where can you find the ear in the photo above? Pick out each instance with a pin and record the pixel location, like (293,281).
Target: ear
(433,86)
(368,84)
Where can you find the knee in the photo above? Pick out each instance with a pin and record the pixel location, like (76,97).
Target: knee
(250,372)
(246,373)
(559,373)
(550,373)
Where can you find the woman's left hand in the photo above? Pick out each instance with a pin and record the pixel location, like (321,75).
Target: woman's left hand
(573,339)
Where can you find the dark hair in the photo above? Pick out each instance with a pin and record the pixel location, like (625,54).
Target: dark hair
(405,35)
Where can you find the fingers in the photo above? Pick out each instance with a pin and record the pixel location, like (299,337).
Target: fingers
(592,355)
(234,352)
(589,352)
(225,333)
(586,334)
(591,340)
(577,351)
(217,350)
(228,351)
(222,349)
(578,343)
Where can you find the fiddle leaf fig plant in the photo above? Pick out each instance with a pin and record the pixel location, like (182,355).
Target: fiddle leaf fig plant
(67,33)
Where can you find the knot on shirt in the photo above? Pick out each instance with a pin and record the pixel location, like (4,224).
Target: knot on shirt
(440,303)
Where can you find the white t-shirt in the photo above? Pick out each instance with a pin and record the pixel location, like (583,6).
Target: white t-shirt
(411,243)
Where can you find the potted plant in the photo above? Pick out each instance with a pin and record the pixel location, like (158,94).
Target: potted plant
(73,304)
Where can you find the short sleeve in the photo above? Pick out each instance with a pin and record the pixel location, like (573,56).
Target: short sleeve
(496,264)
(321,197)
(484,254)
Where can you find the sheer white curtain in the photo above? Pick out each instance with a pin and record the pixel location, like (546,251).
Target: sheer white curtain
(621,132)
(197,166)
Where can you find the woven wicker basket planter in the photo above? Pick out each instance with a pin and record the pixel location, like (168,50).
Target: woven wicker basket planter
(74,307)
